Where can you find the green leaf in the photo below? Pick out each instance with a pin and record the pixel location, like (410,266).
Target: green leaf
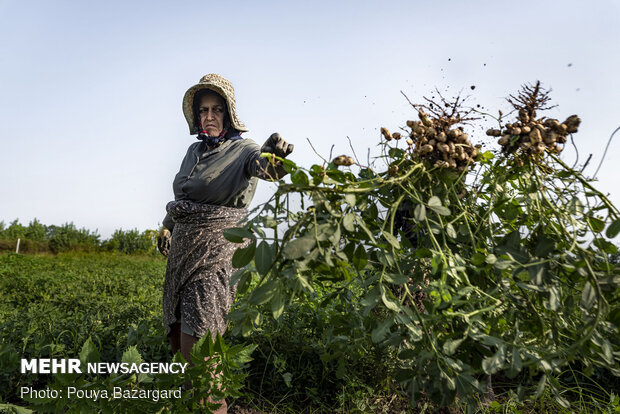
(477,259)
(487,340)
(263,258)
(324,231)
(495,362)
(277,304)
(348,222)
(613,229)
(264,293)
(588,296)
(407,354)
(575,207)
(544,247)
(386,258)
(419,213)
(243,256)
(405,318)
(487,155)
(516,363)
(545,365)
(237,234)
(335,235)
(388,301)
(541,386)
(289,165)
(537,273)
(378,334)
(435,204)
(299,178)
(491,259)
(512,211)
(395,278)
(450,347)
(303,282)
(371,299)
(391,239)
(89,352)
(561,400)
(362,224)
(614,281)
(502,264)
(360,259)
(465,383)
(532,287)
(512,240)
(554,301)
(256,317)
(605,246)
(448,381)
(597,225)
(450,231)
(423,252)
(336,174)
(298,247)
(608,353)
(244,279)
(131,356)
(269,221)
(317,174)
(350,199)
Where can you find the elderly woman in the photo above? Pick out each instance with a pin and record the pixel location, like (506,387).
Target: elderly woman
(213,188)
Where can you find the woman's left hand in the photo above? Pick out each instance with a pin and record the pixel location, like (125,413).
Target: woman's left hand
(163,241)
(275,144)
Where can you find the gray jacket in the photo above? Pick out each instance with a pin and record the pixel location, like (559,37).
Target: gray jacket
(226,175)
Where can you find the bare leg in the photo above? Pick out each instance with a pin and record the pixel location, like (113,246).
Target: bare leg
(175,338)
(187,342)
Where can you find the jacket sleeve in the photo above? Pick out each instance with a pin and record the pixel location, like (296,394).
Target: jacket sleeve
(263,168)
(168,222)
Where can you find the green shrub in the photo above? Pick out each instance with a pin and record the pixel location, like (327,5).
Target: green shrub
(36,231)
(14,231)
(69,238)
(131,241)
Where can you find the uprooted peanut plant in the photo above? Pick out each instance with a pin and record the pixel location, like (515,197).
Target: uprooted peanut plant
(455,264)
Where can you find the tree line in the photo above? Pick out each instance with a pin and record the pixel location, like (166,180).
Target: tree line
(37,237)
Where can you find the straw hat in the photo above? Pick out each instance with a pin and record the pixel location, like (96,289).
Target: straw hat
(218,84)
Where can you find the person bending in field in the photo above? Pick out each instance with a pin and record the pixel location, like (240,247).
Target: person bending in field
(212,190)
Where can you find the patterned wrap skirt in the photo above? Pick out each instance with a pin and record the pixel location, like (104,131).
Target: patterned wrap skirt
(197,283)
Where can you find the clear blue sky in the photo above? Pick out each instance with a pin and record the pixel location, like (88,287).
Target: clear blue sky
(92,131)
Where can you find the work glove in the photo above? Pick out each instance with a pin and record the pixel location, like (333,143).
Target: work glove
(275,144)
(163,241)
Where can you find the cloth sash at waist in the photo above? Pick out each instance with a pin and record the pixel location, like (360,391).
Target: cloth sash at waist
(189,212)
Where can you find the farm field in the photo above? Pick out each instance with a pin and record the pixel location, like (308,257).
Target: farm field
(51,305)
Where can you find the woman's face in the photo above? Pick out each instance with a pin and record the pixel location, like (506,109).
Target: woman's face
(211,110)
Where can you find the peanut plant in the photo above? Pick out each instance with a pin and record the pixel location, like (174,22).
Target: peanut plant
(459,263)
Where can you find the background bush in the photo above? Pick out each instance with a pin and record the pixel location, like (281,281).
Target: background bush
(40,238)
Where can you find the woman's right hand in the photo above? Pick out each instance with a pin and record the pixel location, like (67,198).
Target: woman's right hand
(163,241)
(275,144)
